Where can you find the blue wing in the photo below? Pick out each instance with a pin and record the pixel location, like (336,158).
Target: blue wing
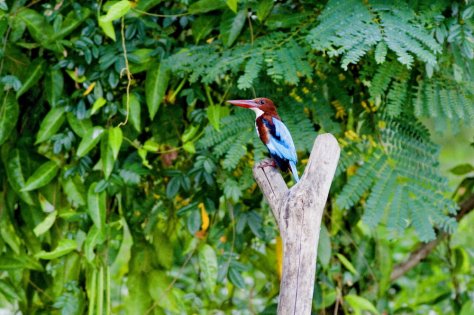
(280,142)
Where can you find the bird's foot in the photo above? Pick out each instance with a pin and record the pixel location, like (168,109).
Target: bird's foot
(271,163)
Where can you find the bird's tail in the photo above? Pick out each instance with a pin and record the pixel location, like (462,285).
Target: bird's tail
(294,171)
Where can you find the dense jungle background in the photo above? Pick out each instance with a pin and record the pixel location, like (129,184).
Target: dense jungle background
(126,180)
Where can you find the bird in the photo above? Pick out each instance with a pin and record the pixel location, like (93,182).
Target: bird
(273,133)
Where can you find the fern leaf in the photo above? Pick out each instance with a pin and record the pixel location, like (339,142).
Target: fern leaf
(252,68)
(420,221)
(360,182)
(379,24)
(380,197)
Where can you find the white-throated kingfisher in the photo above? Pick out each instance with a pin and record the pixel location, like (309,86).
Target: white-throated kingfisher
(273,133)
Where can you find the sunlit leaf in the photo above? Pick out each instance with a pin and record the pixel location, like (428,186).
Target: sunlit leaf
(359,304)
(90,140)
(208,266)
(46,224)
(346,263)
(96,207)
(50,124)
(156,84)
(65,246)
(115,140)
(42,176)
(9,112)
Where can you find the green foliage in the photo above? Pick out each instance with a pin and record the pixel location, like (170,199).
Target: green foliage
(126,179)
(375,23)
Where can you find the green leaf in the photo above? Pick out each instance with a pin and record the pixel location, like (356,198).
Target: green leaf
(42,176)
(16,175)
(203,6)
(46,206)
(380,52)
(134,111)
(79,126)
(324,247)
(158,288)
(232,4)
(35,72)
(138,300)
(346,263)
(236,278)
(96,207)
(173,187)
(194,222)
(71,22)
(467,308)
(90,140)
(462,169)
(106,157)
(208,266)
(359,304)
(50,124)
(231,26)
(263,9)
(8,262)
(108,29)
(151,146)
(53,86)
(75,191)
(117,10)
(163,249)
(115,140)
(189,147)
(9,291)
(64,247)
(46,224)
(98,104)
(9,235)
(155,87)
(9,112)
(93,238)
(37,25)
(214,115)
(203,26)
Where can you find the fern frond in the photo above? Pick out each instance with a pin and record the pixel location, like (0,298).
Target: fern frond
(397,217)
(448,102)
(361,181)
(403,182)
(380,197)
(252,69)
(287,63)
(372,23)
(420,220)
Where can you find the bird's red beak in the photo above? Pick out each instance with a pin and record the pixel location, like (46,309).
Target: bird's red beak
(243,103)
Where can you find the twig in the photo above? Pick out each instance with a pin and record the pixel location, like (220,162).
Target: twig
(127,72)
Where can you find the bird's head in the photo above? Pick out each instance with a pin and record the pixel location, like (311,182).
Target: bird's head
(259,105)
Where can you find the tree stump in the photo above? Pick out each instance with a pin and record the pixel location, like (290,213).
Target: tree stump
(298,212)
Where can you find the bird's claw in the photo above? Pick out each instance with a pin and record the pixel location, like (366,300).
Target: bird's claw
(271,163)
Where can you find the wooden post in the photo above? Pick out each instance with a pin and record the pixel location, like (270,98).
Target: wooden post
(298,212)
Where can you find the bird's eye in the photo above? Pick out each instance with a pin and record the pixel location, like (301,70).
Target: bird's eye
(262,102)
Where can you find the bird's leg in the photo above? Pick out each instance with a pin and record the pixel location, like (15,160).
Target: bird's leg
(271,163)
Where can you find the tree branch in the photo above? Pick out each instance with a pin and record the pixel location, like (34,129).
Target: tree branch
(298,212)
(424,250)
(271,184)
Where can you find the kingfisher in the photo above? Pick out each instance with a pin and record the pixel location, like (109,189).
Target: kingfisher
(273,133)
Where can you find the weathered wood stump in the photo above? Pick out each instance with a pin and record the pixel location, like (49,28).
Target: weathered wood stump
(298,212)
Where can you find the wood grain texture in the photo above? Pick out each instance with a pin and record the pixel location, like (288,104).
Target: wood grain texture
(299,212)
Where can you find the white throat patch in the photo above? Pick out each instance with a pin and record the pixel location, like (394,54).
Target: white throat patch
(258,112)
